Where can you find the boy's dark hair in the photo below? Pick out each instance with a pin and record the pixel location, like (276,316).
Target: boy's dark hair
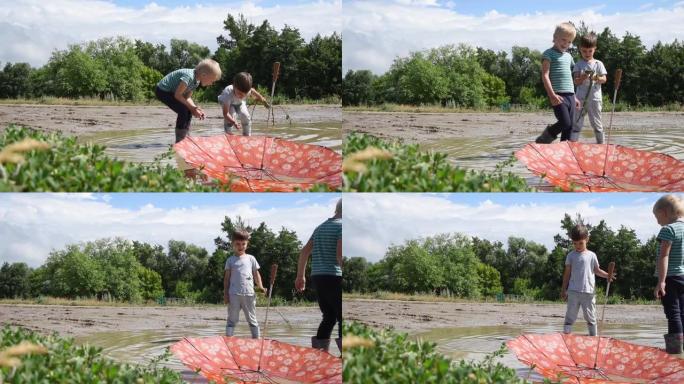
(240,234)
(243,82)
(588,40)
(579,232)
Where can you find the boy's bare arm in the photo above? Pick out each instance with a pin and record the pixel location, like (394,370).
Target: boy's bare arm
(601,273)
(259,282)
(226,114)
(226,284)
(257,95)
(665,247)
(300,282)
(546,80)
(601,79)
(566,281)
(187,100)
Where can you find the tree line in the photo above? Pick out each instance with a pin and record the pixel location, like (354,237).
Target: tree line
(476,77)
(123,270)
(119,68)
(473,267)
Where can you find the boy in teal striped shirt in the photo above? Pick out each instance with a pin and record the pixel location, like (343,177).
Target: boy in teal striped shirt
(557,66)
(669,212)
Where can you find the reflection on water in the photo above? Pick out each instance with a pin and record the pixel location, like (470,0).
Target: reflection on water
(485,152)
(477,342)
(144,145)
(142,346)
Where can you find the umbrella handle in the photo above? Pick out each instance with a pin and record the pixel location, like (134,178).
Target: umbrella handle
(611,271)
(276,73)
(274,270)
(618,78)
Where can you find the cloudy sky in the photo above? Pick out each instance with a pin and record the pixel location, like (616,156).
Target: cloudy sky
(32,29)
(376,32)
(374,221)
(31,225)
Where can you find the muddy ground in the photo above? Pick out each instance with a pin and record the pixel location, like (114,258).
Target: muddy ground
(421,127)
(424,316)
(76,120)
(86,320)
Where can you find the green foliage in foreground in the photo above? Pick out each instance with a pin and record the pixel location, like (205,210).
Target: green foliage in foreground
(66,362)
(396,359)
(72,167)
(411,170)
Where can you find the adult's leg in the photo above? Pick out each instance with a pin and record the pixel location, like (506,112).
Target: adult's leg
(328,303)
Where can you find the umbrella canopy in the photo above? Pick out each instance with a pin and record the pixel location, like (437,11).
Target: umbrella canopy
(575,166)
(574,359)
(261,163)
(226,359)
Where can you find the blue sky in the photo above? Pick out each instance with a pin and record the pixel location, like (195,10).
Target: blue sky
(374,221)
(376,32)
(174,3)
(34,224)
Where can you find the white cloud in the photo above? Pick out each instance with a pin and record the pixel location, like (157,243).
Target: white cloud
(372,222)
(32,29)
(375,32)
(32,225)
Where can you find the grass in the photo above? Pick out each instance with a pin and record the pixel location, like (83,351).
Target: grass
(30,358)
(375,165)
(389,357)
(516,108)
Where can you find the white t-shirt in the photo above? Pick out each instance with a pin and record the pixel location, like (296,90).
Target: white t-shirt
(228,97)
(242,271)
(582,266)
(599,69)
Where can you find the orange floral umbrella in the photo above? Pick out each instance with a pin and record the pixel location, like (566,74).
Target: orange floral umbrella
(226,359)
(581,359)
(584,167)
(261,163)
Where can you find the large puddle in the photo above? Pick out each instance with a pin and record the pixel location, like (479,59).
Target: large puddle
(143,346)
(143,145)
(484,153)
(475,343)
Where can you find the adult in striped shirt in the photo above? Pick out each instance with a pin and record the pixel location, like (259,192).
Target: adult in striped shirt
(557,66)
(669,212)
(325,249)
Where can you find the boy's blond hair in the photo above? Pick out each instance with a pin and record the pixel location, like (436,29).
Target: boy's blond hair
(671,205)
(209,66)
(565,29)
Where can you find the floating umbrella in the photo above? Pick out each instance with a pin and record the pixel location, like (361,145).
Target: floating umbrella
(261,163)
(574,359)
(227,359)
(575,166)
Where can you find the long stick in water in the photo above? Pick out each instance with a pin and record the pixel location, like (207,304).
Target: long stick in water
(276,72)
(611,271)
(274,270)
(618,77)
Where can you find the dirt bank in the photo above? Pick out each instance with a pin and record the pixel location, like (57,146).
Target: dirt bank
(90,119)
(424,316)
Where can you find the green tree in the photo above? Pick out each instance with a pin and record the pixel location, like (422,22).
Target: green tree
(15,80)
(355,277)
(357,88)
(150,284)
(489,280)
(14,280)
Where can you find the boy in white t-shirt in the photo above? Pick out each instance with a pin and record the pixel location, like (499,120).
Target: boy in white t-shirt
(241,271)
(581,265)
(233,102)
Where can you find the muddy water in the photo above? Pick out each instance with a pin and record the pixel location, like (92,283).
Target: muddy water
(477,342)
(485,152)
(141,347)
(143,145)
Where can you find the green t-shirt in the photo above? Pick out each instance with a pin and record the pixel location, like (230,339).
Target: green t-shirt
(171,81)
(560,71)
(324,254)
(673,233)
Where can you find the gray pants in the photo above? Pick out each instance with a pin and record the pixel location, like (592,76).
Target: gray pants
(594,113)
(588,303)
(241,112)
(248,306)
